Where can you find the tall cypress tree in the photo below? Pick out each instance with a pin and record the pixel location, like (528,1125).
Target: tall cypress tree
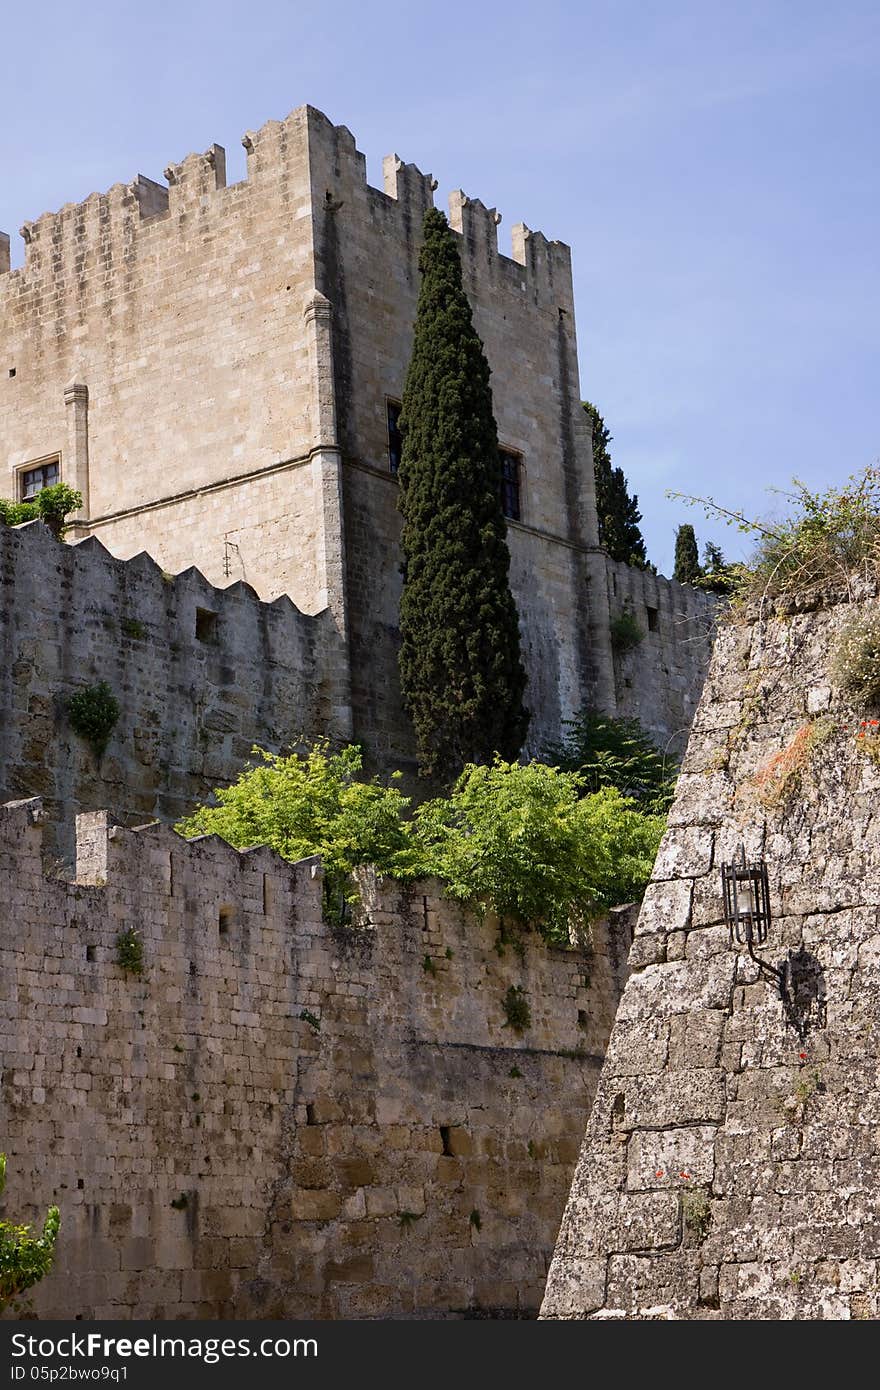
(460,668)
(687,557)
(618,513)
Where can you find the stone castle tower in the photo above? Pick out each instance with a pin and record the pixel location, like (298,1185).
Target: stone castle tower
(217,369)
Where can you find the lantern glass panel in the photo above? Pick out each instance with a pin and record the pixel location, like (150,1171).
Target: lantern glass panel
(746,900)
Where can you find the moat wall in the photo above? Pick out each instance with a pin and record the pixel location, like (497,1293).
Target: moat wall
(279,1118)
(731,1162)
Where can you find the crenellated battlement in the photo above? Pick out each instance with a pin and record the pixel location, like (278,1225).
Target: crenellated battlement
(200,673)
(79,236)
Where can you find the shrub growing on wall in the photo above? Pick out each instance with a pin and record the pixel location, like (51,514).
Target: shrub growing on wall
(25,1259)
(52,505)
(855,660)
(460,669)
(625,632)
(93,714)
(830,538)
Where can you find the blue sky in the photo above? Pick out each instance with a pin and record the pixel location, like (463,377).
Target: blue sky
(713,166)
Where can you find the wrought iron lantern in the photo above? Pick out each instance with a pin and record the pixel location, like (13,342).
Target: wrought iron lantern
(799,981)
(746,900)
(747,913)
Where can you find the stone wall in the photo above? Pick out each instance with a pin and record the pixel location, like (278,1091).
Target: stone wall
(731,1161)
(659,680)
(200,674)
(279,1117)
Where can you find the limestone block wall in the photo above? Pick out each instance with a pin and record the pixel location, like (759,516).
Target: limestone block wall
(201,675)
(178,310)
(731,1158)
(659,681)
(279,1117)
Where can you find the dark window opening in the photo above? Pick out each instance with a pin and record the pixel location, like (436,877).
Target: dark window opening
(444,1140)
(225,919)
(12,371)
(395,438)
(90,953)
(206,625)
(33,480)
(510,502)
(653,619)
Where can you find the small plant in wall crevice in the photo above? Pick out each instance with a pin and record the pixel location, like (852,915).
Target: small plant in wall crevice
(625,632)
(130,951)
(516,1009)
(855,660)
(696,1211)
(94,713)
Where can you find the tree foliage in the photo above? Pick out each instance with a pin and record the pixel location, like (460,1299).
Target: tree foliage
(461,673)
(618,513)
(608,752)
(530,841)
(24,1258)
(52,505)
(312,803)
(687,557)
(526,842)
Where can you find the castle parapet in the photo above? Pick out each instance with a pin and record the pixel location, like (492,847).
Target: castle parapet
(408,185)
(196,177)
(476,223)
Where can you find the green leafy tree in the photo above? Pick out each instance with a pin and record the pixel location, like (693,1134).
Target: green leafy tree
(687,557)
(460,669)
(531,842)
(607,752)
(312,803)
(526,842)
(24,1258)
(52,505)
(618,513)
